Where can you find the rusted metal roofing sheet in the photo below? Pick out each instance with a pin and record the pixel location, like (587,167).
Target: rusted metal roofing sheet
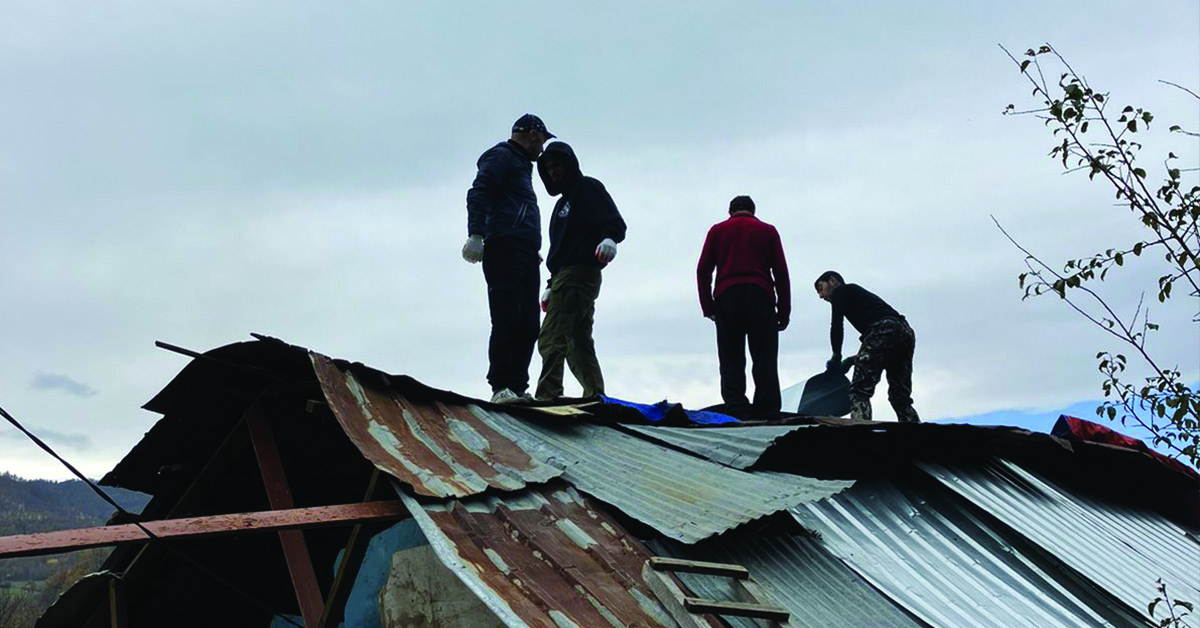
(1124,548)
(799,574)
(544,557)
(928,552)
(737,447)
(681,496)
(440,450)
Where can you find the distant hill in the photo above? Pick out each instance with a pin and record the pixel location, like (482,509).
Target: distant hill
(30,506)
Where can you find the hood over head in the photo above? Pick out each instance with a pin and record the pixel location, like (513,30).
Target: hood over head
(559,150)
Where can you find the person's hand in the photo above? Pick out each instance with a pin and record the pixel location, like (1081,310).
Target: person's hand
(607,251)
(834,363)
(472,251)
(781,323)
(545,300)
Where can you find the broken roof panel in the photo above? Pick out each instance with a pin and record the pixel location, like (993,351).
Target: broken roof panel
(441,450)
(800,576)
(1122,547)
(681,496)
(737,447)
(545,557)
(929,553)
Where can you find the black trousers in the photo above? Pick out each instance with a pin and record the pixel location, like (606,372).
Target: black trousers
(746,316)
(511,268)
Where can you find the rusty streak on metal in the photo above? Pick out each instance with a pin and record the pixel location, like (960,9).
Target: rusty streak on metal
(439,450)
(44,543)
(549,556)
(295,551)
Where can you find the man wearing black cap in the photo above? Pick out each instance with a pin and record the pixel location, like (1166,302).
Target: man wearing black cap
(751,303)
(505,233)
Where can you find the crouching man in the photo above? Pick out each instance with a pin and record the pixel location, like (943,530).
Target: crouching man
(886,343)
(585,228)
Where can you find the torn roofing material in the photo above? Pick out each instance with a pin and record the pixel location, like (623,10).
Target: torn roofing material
(932,555)
(799,574)
(1122,547)
(737,447)
(441,450)
(683,497)
(543,557)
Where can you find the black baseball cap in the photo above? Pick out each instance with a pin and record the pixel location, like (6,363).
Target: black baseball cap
(530,122)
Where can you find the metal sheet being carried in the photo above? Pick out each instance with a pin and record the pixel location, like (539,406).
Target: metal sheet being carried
(737,447)
(681,496)
(545,557)
(927,551)
(799,575)
(1122,547)
(440,450)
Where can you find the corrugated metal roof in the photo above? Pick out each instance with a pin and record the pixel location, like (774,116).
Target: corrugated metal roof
(1123,547)
(930,554)
(543,557)
(440,450)
(799,574)
(681,496)
(737,447)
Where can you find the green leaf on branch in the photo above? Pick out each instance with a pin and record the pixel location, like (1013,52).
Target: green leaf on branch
(1138,172)
(1025,63)
(1132,126)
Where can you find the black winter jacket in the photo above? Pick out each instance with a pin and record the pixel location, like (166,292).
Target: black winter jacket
(501,201)
(583,217)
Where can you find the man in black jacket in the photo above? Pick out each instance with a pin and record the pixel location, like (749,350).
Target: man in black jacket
(505,233)
(887,343)
(584,231)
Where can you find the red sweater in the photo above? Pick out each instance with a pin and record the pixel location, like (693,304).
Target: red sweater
(744,249)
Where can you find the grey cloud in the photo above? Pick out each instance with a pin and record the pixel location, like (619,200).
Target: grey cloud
(56,381)
(78,442)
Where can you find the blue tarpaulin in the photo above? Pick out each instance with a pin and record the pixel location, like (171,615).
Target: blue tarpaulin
(667,412)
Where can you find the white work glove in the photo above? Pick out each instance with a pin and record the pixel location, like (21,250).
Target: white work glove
(473,250)
(607,251)
(546,300)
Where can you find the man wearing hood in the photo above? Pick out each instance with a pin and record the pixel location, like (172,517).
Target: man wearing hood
(505,233)
(584,231)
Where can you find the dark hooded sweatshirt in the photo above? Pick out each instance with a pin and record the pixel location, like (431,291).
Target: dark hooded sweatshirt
(583,217)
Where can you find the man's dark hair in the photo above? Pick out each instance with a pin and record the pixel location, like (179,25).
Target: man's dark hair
(827,275)
(741,204)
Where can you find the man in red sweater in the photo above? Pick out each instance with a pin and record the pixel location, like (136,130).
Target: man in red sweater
(752,302)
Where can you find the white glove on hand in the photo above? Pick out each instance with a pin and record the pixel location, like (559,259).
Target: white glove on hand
(473,250)
(607,251)
(545,300)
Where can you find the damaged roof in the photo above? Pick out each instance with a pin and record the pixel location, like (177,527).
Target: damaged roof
(544,512)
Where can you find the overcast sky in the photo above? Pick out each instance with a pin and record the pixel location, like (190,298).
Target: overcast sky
(194,172)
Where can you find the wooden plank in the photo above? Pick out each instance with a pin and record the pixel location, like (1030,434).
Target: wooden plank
(116,601)
(660,563)
(671,597)
(206,481)
(750,592)
(295,550)
(195,527)
(737,609)
(347,571)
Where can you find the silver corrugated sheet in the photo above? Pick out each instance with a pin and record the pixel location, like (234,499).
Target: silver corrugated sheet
(800,576)
(930,554)
(737,447)
(544,557)
(1124,548)
(681,496)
